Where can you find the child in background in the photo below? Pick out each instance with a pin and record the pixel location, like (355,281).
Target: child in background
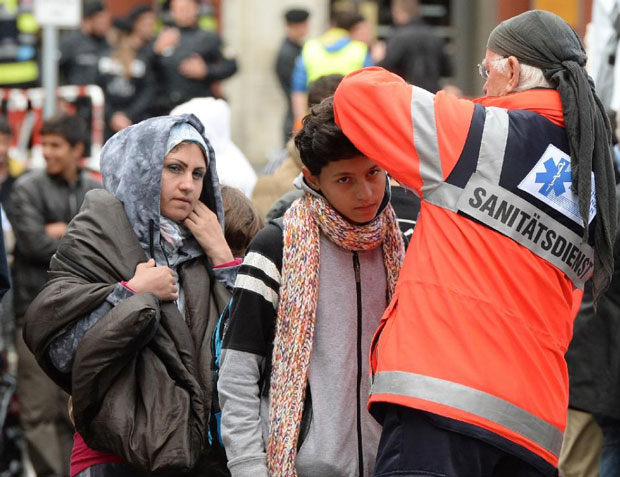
(241,220)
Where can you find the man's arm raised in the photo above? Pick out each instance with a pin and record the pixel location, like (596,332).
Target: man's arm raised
(413,134)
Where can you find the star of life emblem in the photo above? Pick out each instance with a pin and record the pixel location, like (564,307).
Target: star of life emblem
(551,181)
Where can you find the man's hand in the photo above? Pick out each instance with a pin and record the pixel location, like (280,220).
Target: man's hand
(167,41)
(56,229)
(157,280)
(204,226)
(119,120)
(377,51)
(193,67)
(299,102)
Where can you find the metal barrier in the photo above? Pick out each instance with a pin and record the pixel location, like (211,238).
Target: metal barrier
(24,111)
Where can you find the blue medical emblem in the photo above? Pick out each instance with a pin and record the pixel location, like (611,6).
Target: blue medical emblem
(550,182)
(555,177)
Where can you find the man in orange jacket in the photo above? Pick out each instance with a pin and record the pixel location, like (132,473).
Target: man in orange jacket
(518,209)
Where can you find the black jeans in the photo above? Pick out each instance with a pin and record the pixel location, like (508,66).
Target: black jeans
(110,470)
(610,457)
(413,445)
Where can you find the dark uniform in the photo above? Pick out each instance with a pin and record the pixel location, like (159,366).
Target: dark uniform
(130,94)
(417,54)
(285,63)
(177,88)
(79,56)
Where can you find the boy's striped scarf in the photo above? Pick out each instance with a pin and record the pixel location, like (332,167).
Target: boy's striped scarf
(292,346)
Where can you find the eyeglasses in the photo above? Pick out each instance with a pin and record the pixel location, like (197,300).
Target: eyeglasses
(482,69)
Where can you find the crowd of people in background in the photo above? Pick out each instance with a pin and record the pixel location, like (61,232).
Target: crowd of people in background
(180,312)
(144,73)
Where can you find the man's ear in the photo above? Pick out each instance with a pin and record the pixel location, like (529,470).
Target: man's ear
(311,180)
(514,69)
(78,150)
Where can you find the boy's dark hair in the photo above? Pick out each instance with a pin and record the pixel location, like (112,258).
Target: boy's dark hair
(322,87)
(241,220)
(4,126)
(69,126)
(320,141)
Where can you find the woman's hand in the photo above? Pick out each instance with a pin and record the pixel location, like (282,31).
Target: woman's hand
(157,280)
(204,226)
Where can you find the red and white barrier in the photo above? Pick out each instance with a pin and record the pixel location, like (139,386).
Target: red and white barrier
(24,111)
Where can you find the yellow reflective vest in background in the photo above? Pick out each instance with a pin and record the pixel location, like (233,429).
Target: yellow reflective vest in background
(319,61)
(18,45)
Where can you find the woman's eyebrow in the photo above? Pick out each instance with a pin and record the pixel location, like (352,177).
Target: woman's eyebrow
(176,159)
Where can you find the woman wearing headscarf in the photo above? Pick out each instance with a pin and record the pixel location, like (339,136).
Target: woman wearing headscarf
(134,291)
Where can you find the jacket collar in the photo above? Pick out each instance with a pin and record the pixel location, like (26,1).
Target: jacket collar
(544,101)
(415,21)
(60,179)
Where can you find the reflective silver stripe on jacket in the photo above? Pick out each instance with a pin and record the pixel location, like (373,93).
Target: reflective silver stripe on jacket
(490,157)
(493,144)
(473,401)
(425,138)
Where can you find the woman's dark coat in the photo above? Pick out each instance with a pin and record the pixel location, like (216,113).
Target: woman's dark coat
(141,380)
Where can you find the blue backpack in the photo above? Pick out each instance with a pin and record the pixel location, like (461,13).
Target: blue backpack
(215,418)
(217,339)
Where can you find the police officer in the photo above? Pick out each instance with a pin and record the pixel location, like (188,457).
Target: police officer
(81,49)
(189,60)
(297,26)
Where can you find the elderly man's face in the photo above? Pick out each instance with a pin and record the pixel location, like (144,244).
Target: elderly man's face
(501,78)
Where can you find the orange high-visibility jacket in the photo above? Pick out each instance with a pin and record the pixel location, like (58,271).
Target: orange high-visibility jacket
(481,318)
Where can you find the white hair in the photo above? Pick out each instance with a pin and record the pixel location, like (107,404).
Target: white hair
(529,76)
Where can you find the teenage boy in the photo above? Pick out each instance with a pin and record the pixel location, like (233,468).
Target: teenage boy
(44,202)
(293,382)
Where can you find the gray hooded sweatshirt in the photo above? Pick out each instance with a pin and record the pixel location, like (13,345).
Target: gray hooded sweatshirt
(338,437)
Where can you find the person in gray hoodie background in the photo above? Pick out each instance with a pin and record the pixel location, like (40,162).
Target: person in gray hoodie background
(293,380)
(134,291)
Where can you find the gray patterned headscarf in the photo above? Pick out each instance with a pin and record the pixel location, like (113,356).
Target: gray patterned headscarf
(544,40)
(131,165)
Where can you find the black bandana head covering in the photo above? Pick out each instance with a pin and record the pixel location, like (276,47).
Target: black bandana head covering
(544,40)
